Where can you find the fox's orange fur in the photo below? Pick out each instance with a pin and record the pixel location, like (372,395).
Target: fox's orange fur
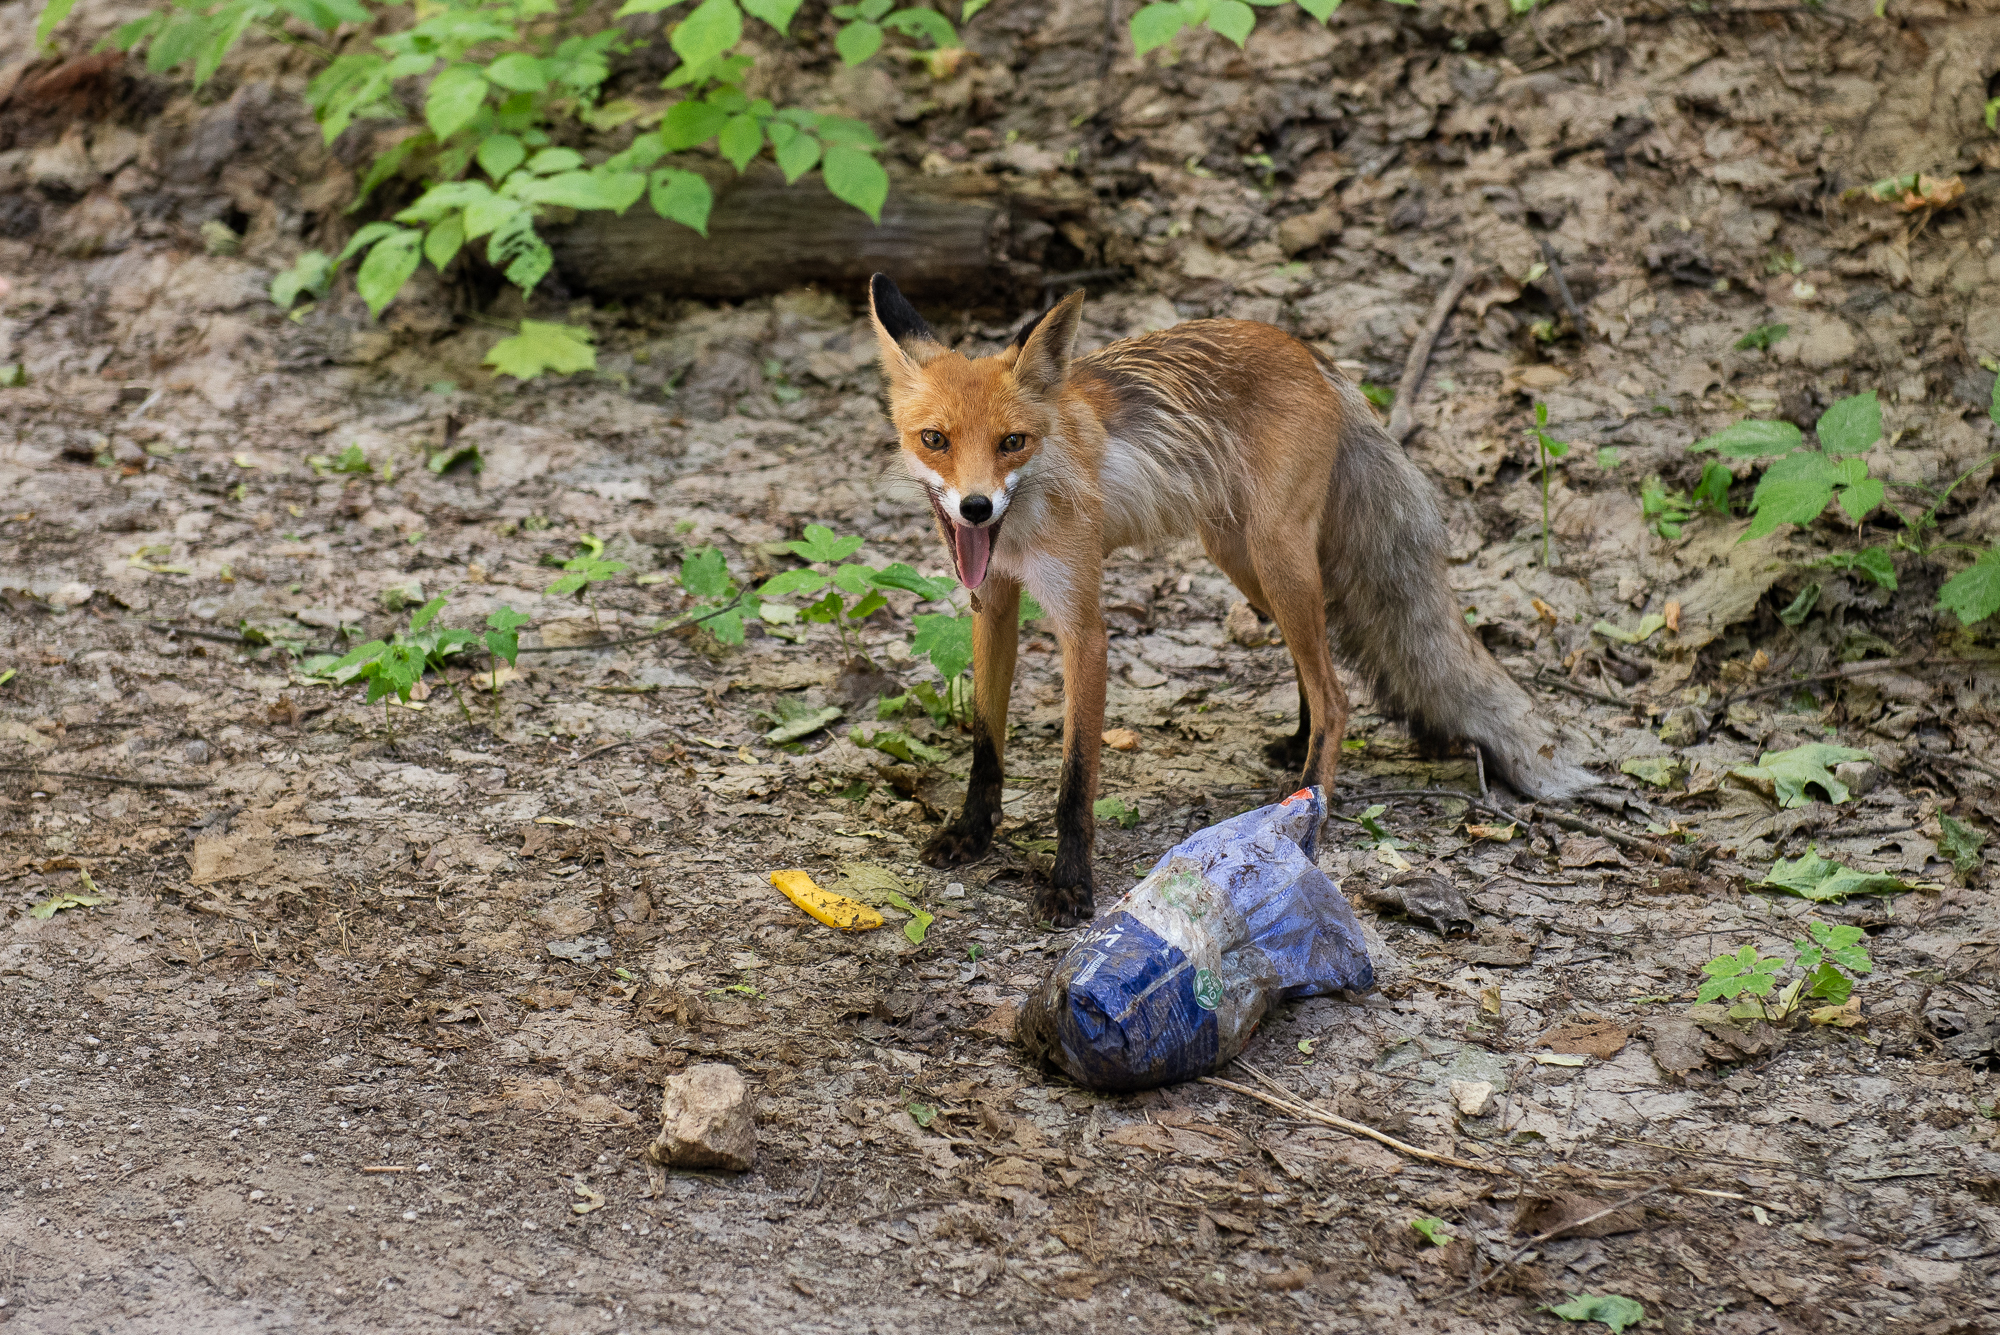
(1234,432)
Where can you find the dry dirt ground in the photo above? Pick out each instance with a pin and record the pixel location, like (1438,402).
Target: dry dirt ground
(369,1027)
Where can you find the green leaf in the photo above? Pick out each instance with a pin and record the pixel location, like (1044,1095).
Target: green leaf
(1801,607)
(1974,592)
(1875,562)
(1830,984)
(821,545)
(1320,9)
(796,151)
(67,899)
(856,178)
(792,581)
(900,745)
(499,154)
(455,97)
(683,197)
(1851,425)
(1961,843)
(519,72)
(777,13)
(1233,19)
(1791,772)
(1733,975)
(1157,24)
(1763,336)
(310,274)
(1613,1310)
(901,576)
(1862,498)
(917,22)
(691,122)
(1660,771)
(1753,439)
(1434,1231)
(443,242)
(740,140)
(522,254)
(1115,809)
(228,24)
(1821,879)
(52,14)
(946,640)
(920,922)
(598,189)
(857,41)
(704,35)
(388,266)
(1794,490)
(705,574)
(361,240)
(552,160)
(540,347)
(802,724)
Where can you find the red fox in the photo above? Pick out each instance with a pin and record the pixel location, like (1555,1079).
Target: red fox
(1038,465)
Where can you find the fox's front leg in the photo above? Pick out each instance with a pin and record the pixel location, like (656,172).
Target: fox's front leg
(995,635)
(1067,900)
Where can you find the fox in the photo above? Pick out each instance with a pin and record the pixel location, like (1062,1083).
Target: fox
(1038,464)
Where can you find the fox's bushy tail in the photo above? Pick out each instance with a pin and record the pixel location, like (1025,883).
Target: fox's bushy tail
(1395,618)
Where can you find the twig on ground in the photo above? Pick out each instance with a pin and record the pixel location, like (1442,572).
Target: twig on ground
(634,639)
(1540,1238)
(1852,670)
(1554,262)
(586,759)
(1401,416)
(1299,1108)
(106,778)
(1562,818)
(1562,684)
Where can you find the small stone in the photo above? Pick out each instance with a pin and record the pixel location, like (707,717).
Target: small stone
(1472,1097)
(705,1120)
(1121,739)
(1243,626)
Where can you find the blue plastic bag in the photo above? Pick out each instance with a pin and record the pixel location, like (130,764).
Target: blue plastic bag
(1171,981)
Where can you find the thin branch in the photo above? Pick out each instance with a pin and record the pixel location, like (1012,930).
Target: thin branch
(1557,1232)
(1313,1112)
(1562,818)
(1401,419)
(1855,670)
(1562,289)
(635,639)
(105,778)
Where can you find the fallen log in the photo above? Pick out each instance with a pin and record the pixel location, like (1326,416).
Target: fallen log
(959,237)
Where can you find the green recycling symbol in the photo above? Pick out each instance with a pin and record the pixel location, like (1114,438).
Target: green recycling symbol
(1207,989)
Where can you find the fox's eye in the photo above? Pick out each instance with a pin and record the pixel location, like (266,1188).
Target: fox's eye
(1013,444)
(934,440)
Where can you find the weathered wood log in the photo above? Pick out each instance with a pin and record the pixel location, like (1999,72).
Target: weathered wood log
(939,237)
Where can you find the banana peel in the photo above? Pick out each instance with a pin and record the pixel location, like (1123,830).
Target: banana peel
(849,915)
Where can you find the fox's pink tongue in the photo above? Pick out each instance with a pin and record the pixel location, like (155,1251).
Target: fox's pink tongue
(974,546)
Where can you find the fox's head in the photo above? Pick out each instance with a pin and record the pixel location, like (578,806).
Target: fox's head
(972,431)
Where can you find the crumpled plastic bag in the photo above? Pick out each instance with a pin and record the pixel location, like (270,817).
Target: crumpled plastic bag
(1171,981)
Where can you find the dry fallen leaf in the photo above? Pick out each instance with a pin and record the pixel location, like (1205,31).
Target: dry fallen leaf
(1121,739)
(1590,1035)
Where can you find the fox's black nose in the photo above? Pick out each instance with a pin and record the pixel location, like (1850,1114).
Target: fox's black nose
(976,509)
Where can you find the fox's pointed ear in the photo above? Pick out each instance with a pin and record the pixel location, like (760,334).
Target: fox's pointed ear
(907,341)
(1043,359)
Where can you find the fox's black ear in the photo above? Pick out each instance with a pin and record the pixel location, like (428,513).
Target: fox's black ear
(1020,339)
(1043,358)
(893,311)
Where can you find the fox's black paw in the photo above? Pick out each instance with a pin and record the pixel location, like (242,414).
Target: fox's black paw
(958,843)
(1288,752)
(1063,905)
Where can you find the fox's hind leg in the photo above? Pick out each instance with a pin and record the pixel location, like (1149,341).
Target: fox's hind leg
(1290,575)
(1231,554)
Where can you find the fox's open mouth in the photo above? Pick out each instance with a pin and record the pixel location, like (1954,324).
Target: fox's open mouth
(971,548)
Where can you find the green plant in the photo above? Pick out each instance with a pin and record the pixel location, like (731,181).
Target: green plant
(1116,809)
(1762,337)
(1434,1231)
(1159,23)
(350,460)
(395,666)
(584,572)
(1614,1310)
(1830,958)
(1547,448)
(1959,842)
(1823,880)
(503,641)
(502,82)
(1666,511)
(838,582)
(1803,483)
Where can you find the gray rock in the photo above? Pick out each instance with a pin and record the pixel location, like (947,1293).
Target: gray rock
(705,1120)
